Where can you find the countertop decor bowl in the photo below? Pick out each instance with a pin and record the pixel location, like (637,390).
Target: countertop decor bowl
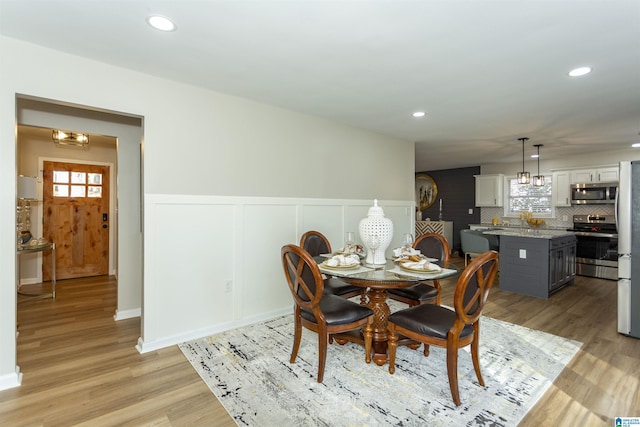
(535,222)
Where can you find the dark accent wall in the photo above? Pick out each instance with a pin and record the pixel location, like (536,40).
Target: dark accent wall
(457,189)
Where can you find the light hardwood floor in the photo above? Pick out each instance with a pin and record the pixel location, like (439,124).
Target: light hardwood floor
(80,367)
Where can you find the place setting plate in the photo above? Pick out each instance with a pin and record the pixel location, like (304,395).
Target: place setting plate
(414,258)
(418,269)
(339,267)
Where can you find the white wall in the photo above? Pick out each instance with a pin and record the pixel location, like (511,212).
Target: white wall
(196,142)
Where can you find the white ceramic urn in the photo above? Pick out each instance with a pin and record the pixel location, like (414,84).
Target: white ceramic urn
(376,233)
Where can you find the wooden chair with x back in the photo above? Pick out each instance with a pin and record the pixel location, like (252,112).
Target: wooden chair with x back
(443,327)
(322,313)
(316,244)
(431,245)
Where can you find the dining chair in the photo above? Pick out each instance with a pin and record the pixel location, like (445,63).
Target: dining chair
(317,244)
(449,328)
(431,245)
(473,243)
(325,314)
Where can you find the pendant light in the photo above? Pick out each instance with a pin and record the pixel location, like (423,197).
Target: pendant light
(538,180)
(523,177)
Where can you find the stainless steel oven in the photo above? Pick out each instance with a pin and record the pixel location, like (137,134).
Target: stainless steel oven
(597,246)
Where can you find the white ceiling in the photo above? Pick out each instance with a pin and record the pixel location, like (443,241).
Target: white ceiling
(485,72)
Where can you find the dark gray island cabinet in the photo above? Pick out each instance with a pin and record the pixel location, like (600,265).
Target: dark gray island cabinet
(536,263)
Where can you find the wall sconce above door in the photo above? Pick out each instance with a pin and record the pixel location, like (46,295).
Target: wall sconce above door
(71,139)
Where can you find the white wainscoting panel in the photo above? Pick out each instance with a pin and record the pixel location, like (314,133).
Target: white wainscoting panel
(212,263)
(193,252)
(327,219)
(266,229)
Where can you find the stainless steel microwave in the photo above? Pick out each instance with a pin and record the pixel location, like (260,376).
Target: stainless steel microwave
(593,194)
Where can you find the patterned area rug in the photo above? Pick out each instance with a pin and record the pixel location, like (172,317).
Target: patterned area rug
(248,370)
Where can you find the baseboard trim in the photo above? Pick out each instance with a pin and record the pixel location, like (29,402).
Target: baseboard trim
(146,346)
(127,314)
(11,380)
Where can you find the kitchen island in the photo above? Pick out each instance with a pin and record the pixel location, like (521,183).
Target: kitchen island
(536,262)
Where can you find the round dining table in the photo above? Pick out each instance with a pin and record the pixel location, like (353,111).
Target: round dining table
(377,280)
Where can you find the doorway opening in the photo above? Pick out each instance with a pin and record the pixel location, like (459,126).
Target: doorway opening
(109,229)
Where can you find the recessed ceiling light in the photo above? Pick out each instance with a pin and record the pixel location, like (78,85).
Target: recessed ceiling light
(535,156)
(161,23)
(577,72)
(419,114)
(636,145)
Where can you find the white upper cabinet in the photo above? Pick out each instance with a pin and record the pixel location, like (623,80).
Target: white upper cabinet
(585,176)
(489,190)
(611,174)
(561,191)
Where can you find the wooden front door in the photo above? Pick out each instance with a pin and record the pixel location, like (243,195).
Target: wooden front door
(76,218)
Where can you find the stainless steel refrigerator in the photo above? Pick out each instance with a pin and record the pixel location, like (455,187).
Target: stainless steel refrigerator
(628,219)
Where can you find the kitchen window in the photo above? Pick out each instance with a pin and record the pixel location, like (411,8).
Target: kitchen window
(526,197)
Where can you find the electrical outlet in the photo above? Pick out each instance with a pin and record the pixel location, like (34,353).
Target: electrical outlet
(470,211)
(523,253)
(228,286)
(565,218)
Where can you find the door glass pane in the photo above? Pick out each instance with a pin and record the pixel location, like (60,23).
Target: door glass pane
(77,190)
(60,190)
(95,178)
(61,177)
(78,178)
(94,191)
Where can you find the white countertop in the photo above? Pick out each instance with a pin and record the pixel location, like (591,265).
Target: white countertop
(516,226)
(542,233)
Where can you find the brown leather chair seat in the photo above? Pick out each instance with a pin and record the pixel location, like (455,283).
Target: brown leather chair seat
(429,319)
(338,311)
(335,286)
(420,292)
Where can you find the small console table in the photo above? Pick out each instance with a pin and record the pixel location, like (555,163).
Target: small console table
(27,249)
